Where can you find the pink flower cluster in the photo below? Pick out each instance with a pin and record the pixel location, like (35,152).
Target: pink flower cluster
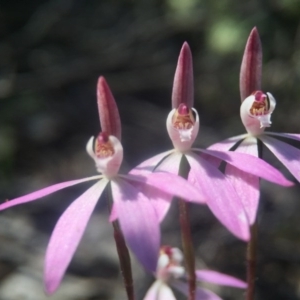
(141,199)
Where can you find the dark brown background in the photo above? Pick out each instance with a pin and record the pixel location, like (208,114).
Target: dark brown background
(51,54)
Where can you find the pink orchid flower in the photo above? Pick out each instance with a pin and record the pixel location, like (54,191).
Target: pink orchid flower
(214,187)
(138,219)
(256,110)
(170,272)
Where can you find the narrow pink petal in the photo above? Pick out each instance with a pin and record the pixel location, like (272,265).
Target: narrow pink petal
(160,200)
(183,86)
(164,183)
(221,196)
(171,163)
(225,145)
(149,165)
(153,292)
(251,164)
(44,192)
(108,111)
(165,293)
(113,213)
(251,68)
(138,221)
(201,294)
(292,136)
(204,294)
(67,235)
(161,208)
(221,146)
(219,278)
(245,184)
(287,154)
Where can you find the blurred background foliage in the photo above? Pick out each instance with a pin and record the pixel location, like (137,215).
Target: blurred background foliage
(51,54)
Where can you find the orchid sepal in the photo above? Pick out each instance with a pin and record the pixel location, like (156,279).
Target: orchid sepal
(108,111)
(183,85)
(251,67)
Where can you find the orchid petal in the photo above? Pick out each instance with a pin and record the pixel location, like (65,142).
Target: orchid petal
(138,222)
(183,86)
(221,196)
(201,294)
(225,145)
(287,154)
(251,68)
(292,136)
(150,164)
(108,110)
(165,293)
(44,192)
(67,235)
(219,278)
(245,184)
(161,201)
(251,164)
(204,294)
(113,213)
(153,292)
(165,183)
(171,163)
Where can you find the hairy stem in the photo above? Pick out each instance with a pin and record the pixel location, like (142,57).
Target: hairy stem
(251,263)
(252,247)
(187,246)
(123,253)
(124,259)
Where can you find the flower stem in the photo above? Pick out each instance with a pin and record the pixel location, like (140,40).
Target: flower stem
(124,259)
(186,235)
(123,253)
(252,247)
(187,246)
(251,262)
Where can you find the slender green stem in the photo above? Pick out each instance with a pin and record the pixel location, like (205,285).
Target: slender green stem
(251,263)
(186,236)
(123,253)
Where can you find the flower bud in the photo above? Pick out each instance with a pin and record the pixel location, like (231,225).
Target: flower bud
(169,264)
